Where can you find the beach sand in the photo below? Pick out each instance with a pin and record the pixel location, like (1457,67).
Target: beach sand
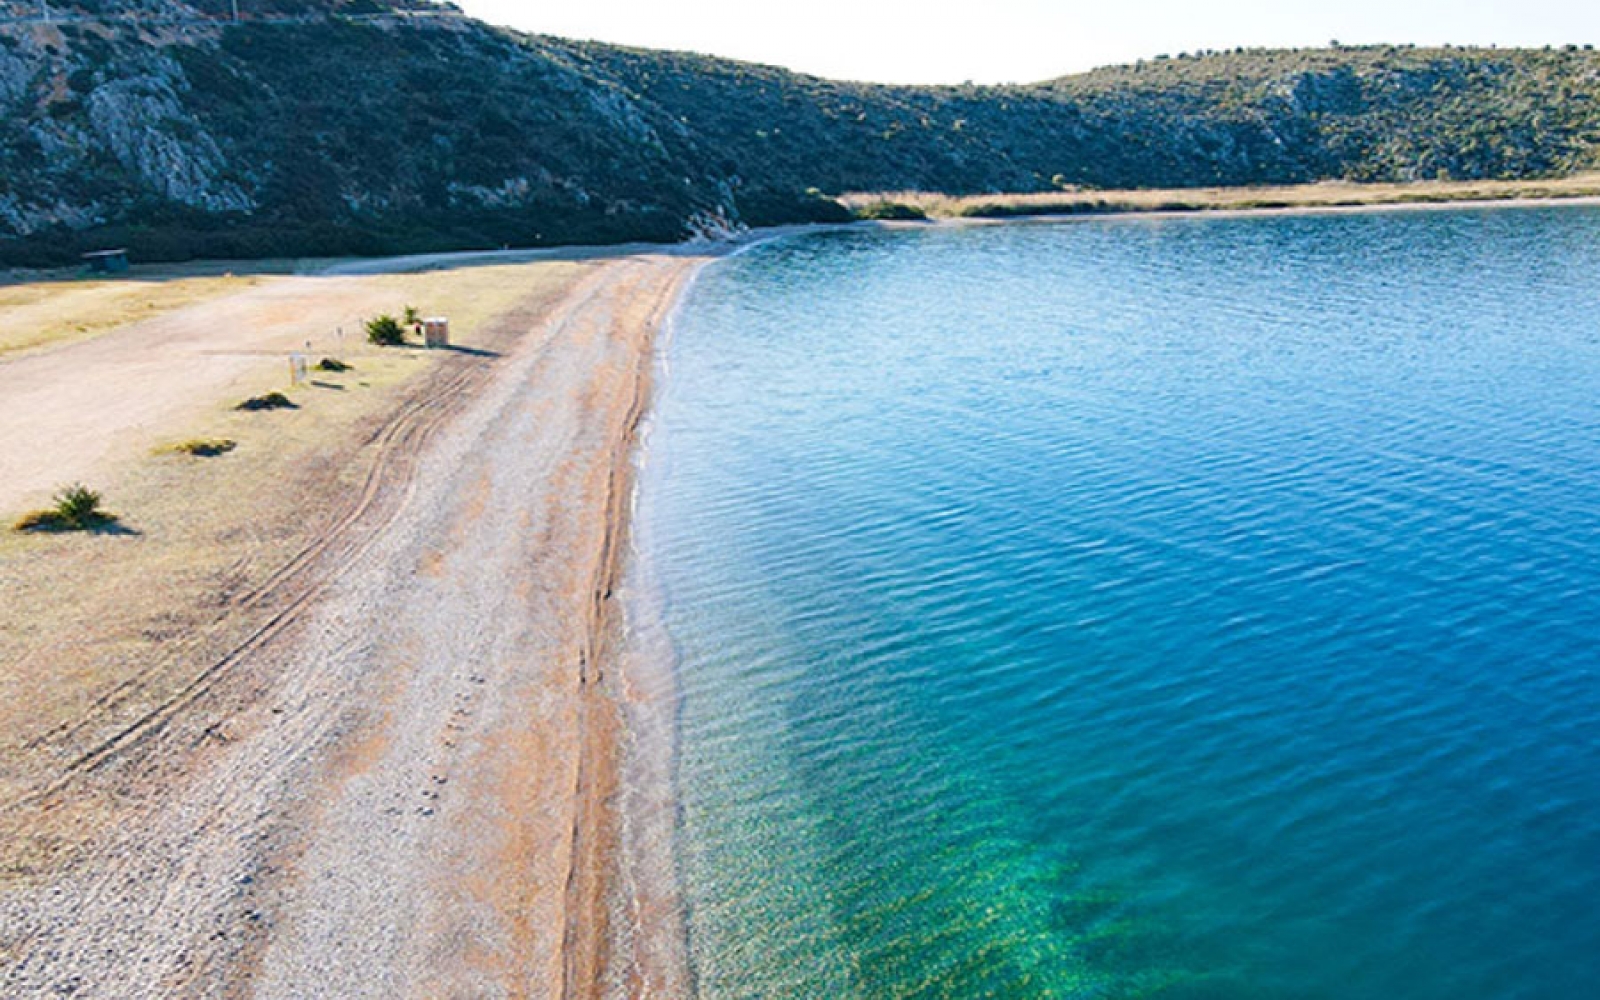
(357,730)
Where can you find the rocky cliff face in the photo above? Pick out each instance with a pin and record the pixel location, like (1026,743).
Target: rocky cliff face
(354,126)
(84,137)
(143,122)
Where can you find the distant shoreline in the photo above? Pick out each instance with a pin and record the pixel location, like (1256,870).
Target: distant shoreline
(1373,208)
(931,208)
(908,206)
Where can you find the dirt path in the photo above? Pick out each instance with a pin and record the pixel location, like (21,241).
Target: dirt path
(70,413)
(401,785)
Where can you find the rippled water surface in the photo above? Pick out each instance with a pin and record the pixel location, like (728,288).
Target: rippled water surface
(1183,608)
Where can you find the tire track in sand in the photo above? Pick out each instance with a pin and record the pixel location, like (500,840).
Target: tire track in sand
(289,590)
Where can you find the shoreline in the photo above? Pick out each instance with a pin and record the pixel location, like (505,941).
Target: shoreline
(752,238)
(607,952)
(1363,208)
(1242,199)
(745,865)
(656,933)
(639,923)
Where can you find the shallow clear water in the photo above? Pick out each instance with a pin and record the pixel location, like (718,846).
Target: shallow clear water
(1183,608)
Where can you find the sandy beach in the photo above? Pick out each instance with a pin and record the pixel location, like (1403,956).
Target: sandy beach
(342,717)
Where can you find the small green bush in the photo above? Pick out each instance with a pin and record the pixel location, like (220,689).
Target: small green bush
(412,317)
(271,401)
(386,331)
(78,504)
(332,365)
(77,508)
(205,447)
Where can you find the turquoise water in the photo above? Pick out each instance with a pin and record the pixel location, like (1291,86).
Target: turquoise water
(1183,608)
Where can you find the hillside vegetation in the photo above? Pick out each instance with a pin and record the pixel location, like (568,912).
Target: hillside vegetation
(362,127)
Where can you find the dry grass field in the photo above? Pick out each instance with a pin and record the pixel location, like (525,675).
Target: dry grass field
(50,313)
(91,620)
(85,407)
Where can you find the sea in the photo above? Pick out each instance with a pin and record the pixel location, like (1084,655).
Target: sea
(1186,607)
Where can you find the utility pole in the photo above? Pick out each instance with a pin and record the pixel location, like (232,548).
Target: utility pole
(44,10)
(236,10)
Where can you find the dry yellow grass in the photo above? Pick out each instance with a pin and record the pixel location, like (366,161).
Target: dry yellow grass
(52,308)
(1329,194)
(471,296)
(106,401)
(51,313)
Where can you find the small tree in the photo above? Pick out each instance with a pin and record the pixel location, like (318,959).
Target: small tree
(412,317)
(386,331)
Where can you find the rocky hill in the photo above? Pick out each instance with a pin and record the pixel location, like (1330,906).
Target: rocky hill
(360,126)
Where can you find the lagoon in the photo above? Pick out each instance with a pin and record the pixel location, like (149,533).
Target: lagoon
(1189,607)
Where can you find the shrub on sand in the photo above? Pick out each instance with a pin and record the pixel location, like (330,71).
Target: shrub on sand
(77,508)
(271,401)
(386,331)
(205,447)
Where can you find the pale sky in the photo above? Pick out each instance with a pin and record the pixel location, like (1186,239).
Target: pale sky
(1000,41)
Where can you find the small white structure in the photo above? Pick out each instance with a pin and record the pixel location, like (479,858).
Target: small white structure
(436,332)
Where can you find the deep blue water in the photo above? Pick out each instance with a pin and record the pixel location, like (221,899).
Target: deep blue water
(1182,608)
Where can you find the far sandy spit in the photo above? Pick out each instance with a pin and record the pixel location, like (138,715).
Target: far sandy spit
(1262,199)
